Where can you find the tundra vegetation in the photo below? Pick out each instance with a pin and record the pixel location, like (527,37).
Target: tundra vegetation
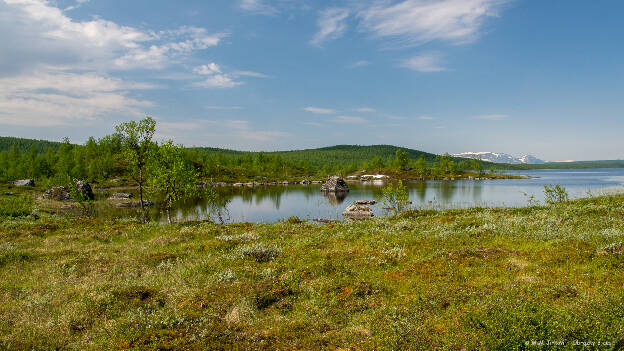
(478,278)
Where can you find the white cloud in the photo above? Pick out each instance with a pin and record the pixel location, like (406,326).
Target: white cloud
(215,79)
(492,117)
(249,74)
(427,62)
(349,119)
(319,110)
(415,22)
(361,63)
(42,35)
(211,68)
(425,118)
(331,25)
(366,110)
(45,99)
(257,7)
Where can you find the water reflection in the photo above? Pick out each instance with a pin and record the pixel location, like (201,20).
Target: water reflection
(272,203)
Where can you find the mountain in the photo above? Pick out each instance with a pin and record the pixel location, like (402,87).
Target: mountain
(501,158)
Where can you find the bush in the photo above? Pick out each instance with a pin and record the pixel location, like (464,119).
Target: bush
(16,206)
(555,194)
(395,198)
(261,253)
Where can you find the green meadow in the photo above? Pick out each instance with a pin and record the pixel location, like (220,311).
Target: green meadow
(481,278)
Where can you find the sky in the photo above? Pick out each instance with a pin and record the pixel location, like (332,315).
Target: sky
(516,76)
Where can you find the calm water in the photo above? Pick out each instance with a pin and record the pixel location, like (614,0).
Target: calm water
(273,203)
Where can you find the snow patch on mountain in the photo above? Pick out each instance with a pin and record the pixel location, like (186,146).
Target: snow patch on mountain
(500,157)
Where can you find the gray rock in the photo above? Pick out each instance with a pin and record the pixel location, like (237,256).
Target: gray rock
(357,212)
(335,184)
(23,182)
(58,193)
(305,182)
(120,196)
(365,202)
(134,204)
(85,189)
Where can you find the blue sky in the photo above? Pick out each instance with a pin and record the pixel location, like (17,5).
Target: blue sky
(515,76)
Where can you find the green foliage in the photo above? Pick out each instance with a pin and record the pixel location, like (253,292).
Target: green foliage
(402,159)
(16,206)
(555,194)
(136,138)
(171,175)
(395,198)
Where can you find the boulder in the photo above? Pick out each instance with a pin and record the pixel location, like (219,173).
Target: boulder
(23,182)
(365,202)
(305,182)
(120,196)
(85,189)
(59,193)
(356,212)
(335,184)
(134,204)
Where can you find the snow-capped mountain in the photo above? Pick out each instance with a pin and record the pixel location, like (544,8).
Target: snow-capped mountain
(500,157)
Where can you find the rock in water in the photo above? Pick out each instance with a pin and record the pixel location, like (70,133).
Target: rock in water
(85,189)
(120,196)
(23,182)
(365,202)
(59,193)
(355,212)
(134,204)
(335,184)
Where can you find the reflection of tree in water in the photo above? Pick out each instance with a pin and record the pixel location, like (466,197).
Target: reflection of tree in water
(447,189)
(420,189)
(213,208)
(335,198)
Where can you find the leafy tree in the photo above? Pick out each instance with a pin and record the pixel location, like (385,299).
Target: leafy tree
(477,166)
(402,159)
(421,166)
(377,163)
(137,147)
(395,198)
(171,175)
(555,194)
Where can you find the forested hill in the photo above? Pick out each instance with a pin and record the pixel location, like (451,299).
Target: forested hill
(332,155)
(25,145)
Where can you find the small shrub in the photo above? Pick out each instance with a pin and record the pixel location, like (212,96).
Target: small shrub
(261,253)
(395,198)
(226,276)
(293,220)
(16,206)
(555,194)
(614,249)
(237,238)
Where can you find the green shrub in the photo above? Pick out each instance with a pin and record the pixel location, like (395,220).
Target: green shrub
(16,206)
(555,194)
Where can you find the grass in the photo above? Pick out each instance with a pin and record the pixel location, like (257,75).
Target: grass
(474,278)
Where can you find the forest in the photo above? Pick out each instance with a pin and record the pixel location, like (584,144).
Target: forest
(97,160)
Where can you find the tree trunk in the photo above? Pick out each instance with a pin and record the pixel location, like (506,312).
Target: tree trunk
(141,195)
(169,210)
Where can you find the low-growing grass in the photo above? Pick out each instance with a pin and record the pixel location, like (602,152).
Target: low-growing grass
(475,278)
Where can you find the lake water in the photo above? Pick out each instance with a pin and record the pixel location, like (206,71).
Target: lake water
(273,203)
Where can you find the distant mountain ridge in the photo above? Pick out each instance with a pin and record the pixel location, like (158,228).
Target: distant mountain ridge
(501,158)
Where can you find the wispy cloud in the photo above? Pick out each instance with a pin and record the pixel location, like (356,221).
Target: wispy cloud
(319,110)
(427,62)
(249,74)
(414,22)
(257,7)
(360,63)
(492,117)
(331,25)
(349,119)
(215,78)
(426,118)
(55,99)
(366,109)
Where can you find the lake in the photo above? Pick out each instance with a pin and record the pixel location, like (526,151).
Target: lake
(273,203)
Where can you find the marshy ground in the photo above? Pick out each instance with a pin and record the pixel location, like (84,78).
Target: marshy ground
(459,279)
